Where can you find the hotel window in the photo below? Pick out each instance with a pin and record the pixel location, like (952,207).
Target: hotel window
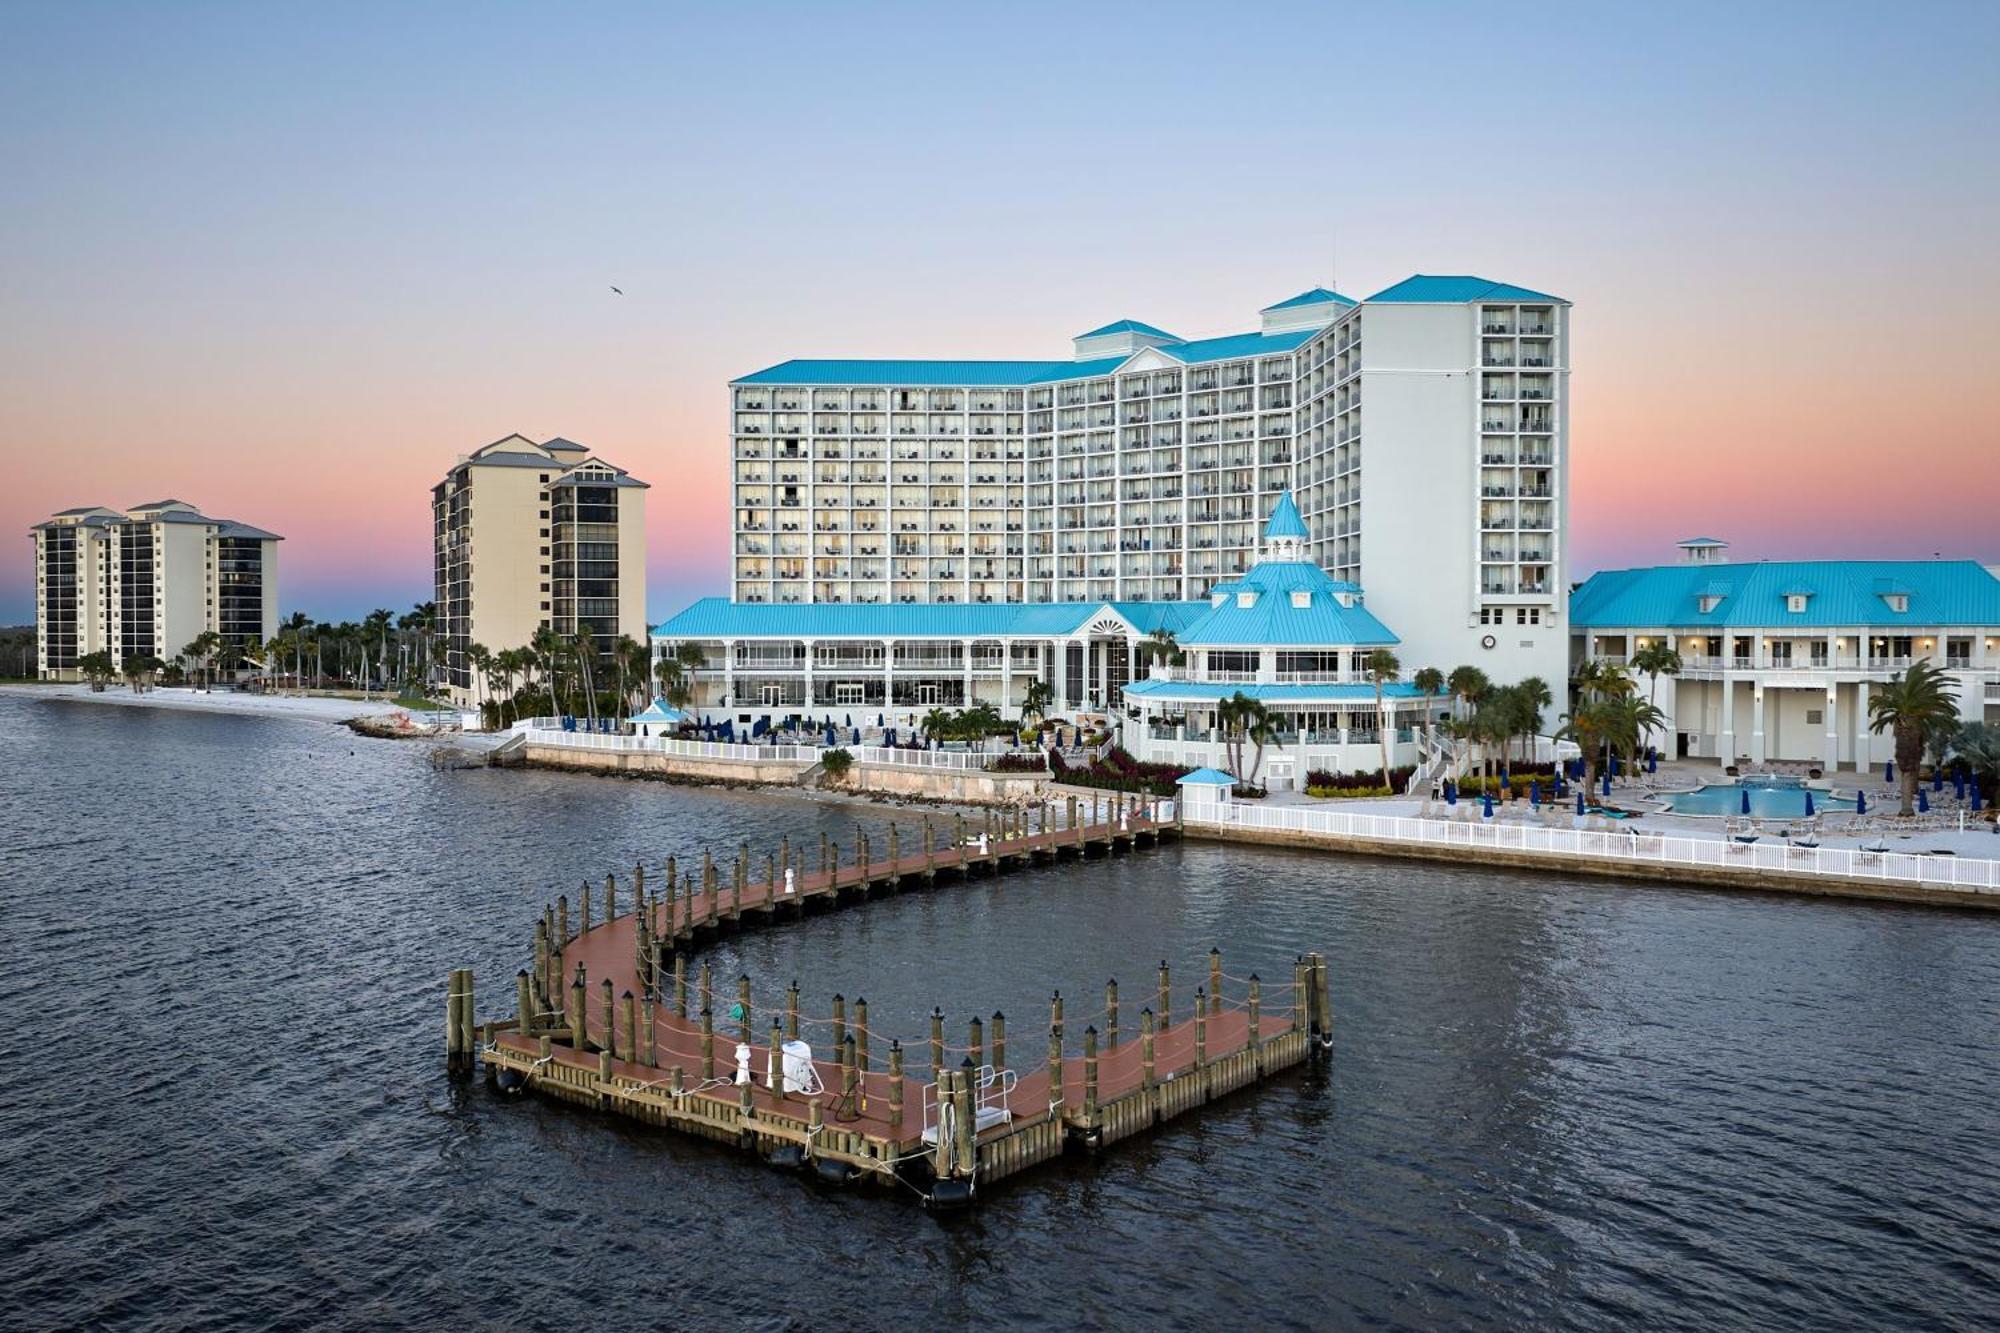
(1528,615)
(1492,615)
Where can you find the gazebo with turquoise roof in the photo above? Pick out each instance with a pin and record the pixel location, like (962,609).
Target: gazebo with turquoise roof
(1291,637)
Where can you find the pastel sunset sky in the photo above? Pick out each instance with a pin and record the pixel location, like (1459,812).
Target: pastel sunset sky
(286,262)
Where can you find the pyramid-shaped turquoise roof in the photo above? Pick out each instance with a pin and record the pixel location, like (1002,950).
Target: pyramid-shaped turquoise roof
(1129,326)
(1314,296)
(1285,520)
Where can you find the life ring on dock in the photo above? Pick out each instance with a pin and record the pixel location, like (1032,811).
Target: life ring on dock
(510,1080)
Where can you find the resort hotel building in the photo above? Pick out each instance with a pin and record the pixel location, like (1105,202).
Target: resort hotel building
(1423,432)
(1778,658)
(147,582)
(919,534)
(529,537)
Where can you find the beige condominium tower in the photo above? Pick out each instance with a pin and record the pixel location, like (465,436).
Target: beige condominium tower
(530,536)
(148,582)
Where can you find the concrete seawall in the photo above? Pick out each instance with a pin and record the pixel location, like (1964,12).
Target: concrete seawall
(1742,879)
(953,785)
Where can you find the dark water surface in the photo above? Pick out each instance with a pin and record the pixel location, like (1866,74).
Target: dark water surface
(1555,1103)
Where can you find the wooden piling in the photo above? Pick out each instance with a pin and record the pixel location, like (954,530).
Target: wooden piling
(774,1062)
(579,1040)
(562,918)
(1146,1048)
(631,1046)
(1214,982)
(610,1015)
(541,977)
(1111,1014)
(938,1070)
(1256,1011)
(895,859)
(743,1008)
(861,1033)
(524,1000)
(850,1075)
(704,992)
(1165,1012)
(707,1043)
(1090,1075)
(649,1052)
(976,1042)
(1200,1030)
(583,905)
(1322,989)
(1055,1073)
(1055,1012)
(792,1011)
(610,898)
(895,1088)
(999,1040)
(965,1124)
(839,1022)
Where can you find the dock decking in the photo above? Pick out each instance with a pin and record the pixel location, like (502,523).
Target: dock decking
(610,1017)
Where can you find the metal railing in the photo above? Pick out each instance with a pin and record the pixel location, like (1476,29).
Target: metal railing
(1942,872)
(553,735)
(963,760)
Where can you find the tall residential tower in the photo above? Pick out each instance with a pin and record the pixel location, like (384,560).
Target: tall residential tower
(531,536)
(148,582)
(1141,468)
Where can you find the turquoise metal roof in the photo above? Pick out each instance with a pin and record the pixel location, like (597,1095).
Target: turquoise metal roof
(1206,777)
(1285,520)
(1845,593)
(1316,296)
(1271,621)
(955,374)
(1237,345)
(720,618)
(1422,288)
(1129,326)
(1206,692)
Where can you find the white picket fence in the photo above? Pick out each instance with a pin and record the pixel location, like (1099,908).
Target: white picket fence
(959,760)
(1970,874)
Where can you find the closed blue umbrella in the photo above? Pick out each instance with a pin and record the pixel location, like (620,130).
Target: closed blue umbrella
(1809,805)
(1617,766)
(1450,792)
(1860,801)
(1958,783)
(1937,778)
(1486,806)
(1923,801)
(1607,784)
(1579,802)
(1505,776)
(1745,793)
(1653,762)
(1889,771)
(1535,793)
(1975,798)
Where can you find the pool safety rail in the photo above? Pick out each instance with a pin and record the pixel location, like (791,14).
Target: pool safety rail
(1771,863)
(613,1015)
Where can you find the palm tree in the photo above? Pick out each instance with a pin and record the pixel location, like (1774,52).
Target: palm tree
(376,625)
(1608,725)
(1466,684)
(1429,682)
(1161,646)
(296,625)
(1035,704)
(937,723)
(1912,707)
(1978,745)
(97,668)
(1530,697)
(1242,720)
(621,657)
(548,646)
(1383,669)
(1655,660)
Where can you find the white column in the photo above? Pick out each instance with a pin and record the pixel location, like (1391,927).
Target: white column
(1757,719)
(809,676)
(1863,748)
(729,672)
(965,671)
(1726,742)
(1832,752)
(888,679)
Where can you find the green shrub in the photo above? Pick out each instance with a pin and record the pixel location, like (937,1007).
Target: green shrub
(836,763)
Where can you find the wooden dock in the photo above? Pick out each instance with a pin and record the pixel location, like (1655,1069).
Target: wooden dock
(613,1015)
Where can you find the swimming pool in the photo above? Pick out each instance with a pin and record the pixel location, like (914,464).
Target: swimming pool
(1769,799)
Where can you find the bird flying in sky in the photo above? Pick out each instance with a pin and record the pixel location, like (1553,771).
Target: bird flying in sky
(616,290)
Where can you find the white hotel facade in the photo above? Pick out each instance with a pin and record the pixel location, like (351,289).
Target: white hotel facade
(1779,658)
(1423,432)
